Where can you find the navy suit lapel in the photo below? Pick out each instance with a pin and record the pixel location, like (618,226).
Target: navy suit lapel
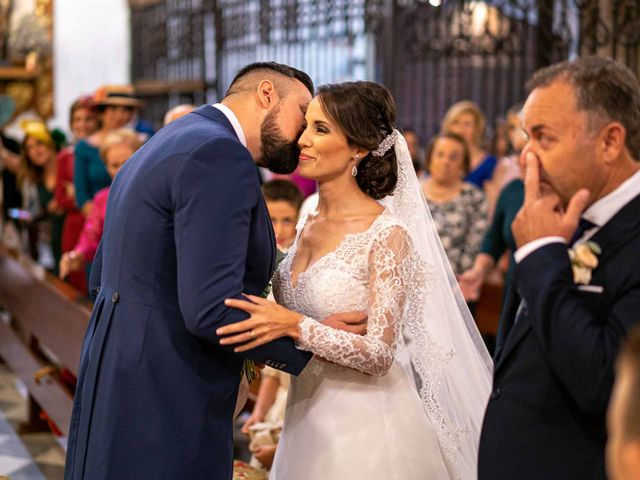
(623,226)
(515,335)
(506,320)
(272,241)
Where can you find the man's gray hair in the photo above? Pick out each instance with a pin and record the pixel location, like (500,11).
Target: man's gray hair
(606,89)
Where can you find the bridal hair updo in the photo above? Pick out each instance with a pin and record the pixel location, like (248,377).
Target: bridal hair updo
(366,114)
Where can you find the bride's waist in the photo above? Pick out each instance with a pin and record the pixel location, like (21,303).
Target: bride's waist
(319,370)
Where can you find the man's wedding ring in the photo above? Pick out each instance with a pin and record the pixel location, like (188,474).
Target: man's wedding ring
(253,335)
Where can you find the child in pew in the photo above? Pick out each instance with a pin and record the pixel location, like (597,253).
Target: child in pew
(117,147)
(283,202)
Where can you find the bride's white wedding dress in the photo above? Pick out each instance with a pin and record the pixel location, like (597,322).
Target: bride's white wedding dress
(371,407)
(364,419)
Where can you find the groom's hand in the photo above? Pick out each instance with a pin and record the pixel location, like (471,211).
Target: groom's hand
(352,322)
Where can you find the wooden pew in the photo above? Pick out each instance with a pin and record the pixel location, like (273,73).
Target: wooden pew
(46,316)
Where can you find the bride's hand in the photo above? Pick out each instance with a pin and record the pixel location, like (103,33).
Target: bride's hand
(268,321)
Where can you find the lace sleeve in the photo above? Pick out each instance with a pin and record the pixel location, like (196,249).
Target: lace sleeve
(372,353)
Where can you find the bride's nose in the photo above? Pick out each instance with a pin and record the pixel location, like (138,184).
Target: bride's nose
(304,140)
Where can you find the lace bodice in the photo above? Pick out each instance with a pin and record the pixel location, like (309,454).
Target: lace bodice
(368,271)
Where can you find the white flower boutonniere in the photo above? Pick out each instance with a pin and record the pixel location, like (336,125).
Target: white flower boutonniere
(583,260)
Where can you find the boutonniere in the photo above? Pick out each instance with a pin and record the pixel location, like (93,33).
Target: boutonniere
(583,260)
(249,368)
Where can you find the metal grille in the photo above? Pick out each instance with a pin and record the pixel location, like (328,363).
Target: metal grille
(327,39)
(480,51)
(429,53)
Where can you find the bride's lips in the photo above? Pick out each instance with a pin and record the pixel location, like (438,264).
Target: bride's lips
(304,158)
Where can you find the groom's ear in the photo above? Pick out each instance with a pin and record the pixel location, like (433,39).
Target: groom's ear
(267,96)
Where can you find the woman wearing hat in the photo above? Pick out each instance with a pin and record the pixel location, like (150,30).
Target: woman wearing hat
(37,180)
(116,106)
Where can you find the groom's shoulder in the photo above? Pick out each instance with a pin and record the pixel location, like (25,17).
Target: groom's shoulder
(195,130)
(194,137)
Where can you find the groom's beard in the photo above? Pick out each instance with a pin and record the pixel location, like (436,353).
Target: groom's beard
(278,154)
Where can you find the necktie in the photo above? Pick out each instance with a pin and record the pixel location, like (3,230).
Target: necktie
(583,226)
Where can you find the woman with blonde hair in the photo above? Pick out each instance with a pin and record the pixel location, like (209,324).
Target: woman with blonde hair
(467,120)
(36,179)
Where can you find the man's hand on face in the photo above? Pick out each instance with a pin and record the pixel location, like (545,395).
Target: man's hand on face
(542,214)
(352,322)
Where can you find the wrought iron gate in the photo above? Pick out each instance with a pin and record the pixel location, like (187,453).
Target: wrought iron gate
(430,53)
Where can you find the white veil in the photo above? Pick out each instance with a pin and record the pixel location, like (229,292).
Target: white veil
(452,367)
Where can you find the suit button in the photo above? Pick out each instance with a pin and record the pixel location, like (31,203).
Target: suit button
(115,297)
(496,393)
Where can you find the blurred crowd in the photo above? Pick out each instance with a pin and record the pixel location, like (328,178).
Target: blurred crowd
(55,189)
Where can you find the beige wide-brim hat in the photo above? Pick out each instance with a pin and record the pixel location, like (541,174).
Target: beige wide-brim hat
(116,95)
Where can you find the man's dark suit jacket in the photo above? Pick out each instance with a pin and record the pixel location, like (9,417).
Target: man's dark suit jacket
(186,227)
(554,366)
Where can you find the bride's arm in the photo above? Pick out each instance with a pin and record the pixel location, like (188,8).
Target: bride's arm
(372,353)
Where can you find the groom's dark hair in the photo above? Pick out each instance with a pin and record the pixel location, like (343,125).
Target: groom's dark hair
(248,77)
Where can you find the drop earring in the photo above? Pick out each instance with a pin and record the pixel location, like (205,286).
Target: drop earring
(354,170)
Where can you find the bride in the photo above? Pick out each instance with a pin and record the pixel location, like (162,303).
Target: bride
(406,400)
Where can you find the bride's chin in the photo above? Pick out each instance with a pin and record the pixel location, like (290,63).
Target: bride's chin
(307,172)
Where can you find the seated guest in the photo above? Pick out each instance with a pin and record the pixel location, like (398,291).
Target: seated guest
(37,181)
(623,444)
(415,149)
(177,112)
(458,207)
(117,148)
(499,237)
(115,105)
(467,120)
(507,168)
(83,122)
(10,196)
(283,202)
(269,410)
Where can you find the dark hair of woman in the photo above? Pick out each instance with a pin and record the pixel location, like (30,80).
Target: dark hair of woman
(365,112)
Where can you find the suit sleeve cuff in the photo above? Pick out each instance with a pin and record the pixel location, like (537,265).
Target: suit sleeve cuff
(531,247)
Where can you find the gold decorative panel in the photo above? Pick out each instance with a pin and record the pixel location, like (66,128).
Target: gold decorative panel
(26,57)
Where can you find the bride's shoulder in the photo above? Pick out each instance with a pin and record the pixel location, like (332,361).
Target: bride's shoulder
(390,226)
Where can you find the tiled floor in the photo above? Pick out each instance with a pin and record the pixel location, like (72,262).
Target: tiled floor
(33,456)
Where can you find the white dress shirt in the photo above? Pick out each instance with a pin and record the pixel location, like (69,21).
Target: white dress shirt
(234,122)
(599,214)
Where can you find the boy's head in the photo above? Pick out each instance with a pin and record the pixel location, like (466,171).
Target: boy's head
(283,201)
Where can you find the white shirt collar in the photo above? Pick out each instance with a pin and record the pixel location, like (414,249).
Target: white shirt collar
(604,209)
(234,122)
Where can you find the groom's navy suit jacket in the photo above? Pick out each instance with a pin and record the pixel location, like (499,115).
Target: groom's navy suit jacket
(186,227)
(554,367)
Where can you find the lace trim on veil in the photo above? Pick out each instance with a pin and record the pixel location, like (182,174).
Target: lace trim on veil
(446,349)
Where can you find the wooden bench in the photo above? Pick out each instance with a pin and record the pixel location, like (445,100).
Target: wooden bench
(46,328)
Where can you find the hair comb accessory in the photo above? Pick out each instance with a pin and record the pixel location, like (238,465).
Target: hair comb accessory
(386,144)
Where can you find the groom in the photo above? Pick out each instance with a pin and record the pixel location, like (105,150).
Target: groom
(560,336)
(186,227)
